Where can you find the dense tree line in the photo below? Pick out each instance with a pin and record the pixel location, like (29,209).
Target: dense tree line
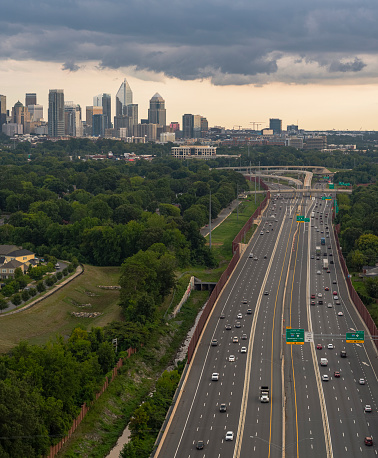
(42,389)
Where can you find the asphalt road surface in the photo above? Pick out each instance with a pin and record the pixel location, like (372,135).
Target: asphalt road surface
(306,416)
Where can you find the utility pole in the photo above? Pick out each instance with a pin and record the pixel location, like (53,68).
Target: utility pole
(259,176)
(210,221)
(237,201)
(255,185)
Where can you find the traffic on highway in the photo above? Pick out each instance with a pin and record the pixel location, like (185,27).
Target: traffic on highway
(249,393)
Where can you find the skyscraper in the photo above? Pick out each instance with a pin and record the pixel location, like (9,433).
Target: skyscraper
(3,110)
(157,111)
(21,115)
(275,124)
(72,119)
(104,101)
(56,113)
(191,125)
(30,98)
(124,97)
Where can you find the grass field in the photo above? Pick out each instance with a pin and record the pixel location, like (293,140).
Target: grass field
(53,315)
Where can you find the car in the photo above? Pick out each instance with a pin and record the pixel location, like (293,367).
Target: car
(336,374)
(330,346)
(214,342)
(255,258)
(244,337)
(266,293)
(313,302)
(318,272)
(228,327)
(320,301)
(231,358)
(330,254)
(261,233)
(318,258)
(222,316)
(215,376)
(326,288)
(343,354)
(340,314)
(335,298)
(331,261)
(367,408)
(325,378)
(329,246)
(223,408)
(200,445)
(361,381)
(243,350)
(334,293)
(319,346)
(368,440)
(240,316)
(334,282)
(235,339)
(328,271)
(329,305)
(244,301)
(229,436)
(327,235)
(250,255)
(237,324)
(337,302)
(265,257)
(312,257)
(312,296)
(267,231)
(324,254)
(320,295)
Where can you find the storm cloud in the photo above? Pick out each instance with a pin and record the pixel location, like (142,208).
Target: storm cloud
(239,42)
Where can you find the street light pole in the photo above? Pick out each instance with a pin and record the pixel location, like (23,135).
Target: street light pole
(210,221)
(237,201)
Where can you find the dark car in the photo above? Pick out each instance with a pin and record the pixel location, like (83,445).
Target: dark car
(214,343)
(222,408)
(343,354)
(336,374)
(368,440)
(320,302)
(200,445)
(228,327)
(222,316)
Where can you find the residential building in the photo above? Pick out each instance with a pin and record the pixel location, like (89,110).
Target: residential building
(157,111)
(194,151)
(56,113)
(276,125)
(104,101)
(12,257)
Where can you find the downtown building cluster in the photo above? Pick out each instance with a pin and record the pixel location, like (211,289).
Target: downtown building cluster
(65,118)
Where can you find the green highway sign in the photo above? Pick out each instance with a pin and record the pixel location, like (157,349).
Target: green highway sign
(294,336)
(331,186)
(328,198)
(307,220)
(323,197)
(355,337)
(300,218)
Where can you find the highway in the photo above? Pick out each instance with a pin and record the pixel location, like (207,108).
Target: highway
(309,417)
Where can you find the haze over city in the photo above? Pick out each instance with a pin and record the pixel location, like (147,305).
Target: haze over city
(314,64)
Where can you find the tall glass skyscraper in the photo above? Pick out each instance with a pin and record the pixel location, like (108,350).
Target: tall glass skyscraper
(157,111)
(104,101)
(124,97)
(56,113)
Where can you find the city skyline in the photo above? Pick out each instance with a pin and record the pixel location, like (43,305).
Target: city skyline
(314,64)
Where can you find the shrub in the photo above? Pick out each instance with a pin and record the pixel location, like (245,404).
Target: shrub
(16,299)
(25,295)
(59,275)
(32,292)
(41,286)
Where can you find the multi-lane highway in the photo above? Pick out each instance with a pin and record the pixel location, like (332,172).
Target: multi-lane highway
(271,289)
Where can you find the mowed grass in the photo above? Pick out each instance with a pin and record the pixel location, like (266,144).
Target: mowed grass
(53,316)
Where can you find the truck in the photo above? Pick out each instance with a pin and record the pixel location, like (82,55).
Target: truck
(318,250)
(325,264)
(312,214)
(264,394)
(322,241)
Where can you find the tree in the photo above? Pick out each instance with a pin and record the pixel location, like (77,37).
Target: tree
(25,295)
(372,287)
(106,356)
(3,304)
(41,286)
(16,299)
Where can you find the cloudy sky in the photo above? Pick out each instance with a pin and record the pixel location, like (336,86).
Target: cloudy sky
(235,62)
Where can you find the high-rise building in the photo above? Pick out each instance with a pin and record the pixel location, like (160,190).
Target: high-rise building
(191,125)
(90,111)
(132,113)
(56,113)
(21,115)
(3,110)
(197,126)
(175,126)
(149,131)
(292,128)
(98,125)
(30,98)
(72,119)
(124,97)
(204,127)
(157,111)
(36,112)
(275,124)
(104,101)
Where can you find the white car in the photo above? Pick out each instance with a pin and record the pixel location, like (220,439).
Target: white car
(329,305)
(215,376)
(325,378)
(318,272)
(340,314)
(320,295)
(235,339)
(330,346)
(240,316)
(367,408)
(361,381)
(250,255)
(231,358)
(243,350)
(229,436)
(336,298)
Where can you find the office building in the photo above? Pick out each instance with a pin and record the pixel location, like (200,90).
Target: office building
(3,110)
(104,101)
(98,125)
(175,126)
(191,126)
(56,113)
(194,151)
(166,137)
(90,111)
(295,142)
(124,97)
(36,112)
(21,115)
(204,127)
(275,124)
(132,114)
(315,143)
(149,131)
(12,129)
(292,128)
(157,111)
(30,98)
(72,119)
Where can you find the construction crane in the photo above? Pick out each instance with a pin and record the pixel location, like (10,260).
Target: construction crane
(257,123)
(233,128)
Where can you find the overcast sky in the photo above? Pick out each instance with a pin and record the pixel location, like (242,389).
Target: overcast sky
(233,62)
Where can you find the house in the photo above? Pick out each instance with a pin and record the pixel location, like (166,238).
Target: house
(12,257)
